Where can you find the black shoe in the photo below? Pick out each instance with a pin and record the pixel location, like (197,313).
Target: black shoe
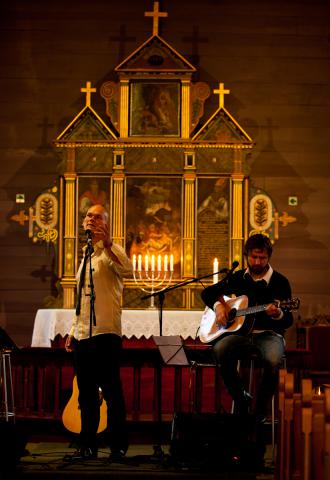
(116,456)
(261,418)
(81,454)
(243,403)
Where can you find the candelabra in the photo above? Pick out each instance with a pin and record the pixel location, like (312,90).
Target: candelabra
(156,274)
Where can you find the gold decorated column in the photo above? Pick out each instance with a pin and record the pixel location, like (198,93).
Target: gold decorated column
(237,236)
(124,99)
(189,215)
(189,227)
(68,280)
(117,213)
(185,108)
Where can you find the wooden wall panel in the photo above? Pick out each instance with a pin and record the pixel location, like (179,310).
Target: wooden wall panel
(274,57)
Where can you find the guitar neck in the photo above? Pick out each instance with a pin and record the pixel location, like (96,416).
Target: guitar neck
(251,310)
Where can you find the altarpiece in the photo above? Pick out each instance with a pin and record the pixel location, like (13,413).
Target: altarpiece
(175,185)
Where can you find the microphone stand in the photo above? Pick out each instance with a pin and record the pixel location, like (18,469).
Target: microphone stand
(161,293)
(92,316)
(158,452)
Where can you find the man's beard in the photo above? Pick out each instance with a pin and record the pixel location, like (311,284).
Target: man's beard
(258,269)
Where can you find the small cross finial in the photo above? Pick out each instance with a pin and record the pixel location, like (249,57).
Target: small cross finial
(156,14)
(222,92)
(88,90)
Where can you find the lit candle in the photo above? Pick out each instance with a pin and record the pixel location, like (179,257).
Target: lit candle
(159,263)
(165,263)
(139,263)
(134,262)
(171,263)
(215,270)
(152,263)
(146,263)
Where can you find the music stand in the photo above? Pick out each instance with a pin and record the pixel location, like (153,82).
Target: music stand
(6,343)
(171,350)
(172,353)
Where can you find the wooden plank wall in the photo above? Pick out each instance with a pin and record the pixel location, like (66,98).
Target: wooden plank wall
(273,56)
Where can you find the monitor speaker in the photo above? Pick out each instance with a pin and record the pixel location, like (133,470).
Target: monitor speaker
(214,441)
(12,445)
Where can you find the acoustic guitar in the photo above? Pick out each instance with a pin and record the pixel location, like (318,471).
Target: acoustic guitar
(210,330)
(71,417)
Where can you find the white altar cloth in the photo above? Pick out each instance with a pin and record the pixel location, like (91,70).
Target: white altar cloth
(138,323)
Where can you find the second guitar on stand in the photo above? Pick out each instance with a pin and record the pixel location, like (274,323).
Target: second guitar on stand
(71,416)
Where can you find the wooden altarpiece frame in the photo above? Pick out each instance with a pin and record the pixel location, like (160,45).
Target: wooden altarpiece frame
(171,174)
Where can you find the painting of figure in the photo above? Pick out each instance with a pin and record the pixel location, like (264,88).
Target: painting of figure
(154,218)
(155,109)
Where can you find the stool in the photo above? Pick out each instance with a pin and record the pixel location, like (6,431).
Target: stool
(7,409)
(199,357)
(254,357)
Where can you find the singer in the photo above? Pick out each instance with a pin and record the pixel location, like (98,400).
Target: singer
(262,285)
(97,346)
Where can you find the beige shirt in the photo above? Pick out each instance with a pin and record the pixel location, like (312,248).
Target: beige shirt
(108,285)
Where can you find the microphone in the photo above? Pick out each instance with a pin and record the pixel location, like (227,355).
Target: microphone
(234,265)
(89,235)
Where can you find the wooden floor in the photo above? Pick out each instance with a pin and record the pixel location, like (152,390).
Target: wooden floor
(148,457)
(45,460)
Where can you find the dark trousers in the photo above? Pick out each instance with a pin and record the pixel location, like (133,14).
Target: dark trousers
(97,362)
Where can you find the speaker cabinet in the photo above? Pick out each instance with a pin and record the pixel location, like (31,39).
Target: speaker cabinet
(12,445)
(214,441)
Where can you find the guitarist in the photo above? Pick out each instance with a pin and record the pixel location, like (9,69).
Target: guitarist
(262,285)
(97,344)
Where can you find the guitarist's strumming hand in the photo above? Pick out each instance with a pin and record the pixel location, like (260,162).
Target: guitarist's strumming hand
(221,313)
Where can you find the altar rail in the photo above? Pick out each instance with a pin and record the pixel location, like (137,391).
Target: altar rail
(43,377)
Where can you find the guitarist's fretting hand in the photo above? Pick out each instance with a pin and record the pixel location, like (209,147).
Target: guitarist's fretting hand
(274,311)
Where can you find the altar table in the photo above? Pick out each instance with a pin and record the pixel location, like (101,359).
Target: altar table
(135,323)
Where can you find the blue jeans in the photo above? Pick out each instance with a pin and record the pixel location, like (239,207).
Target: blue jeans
(270,348)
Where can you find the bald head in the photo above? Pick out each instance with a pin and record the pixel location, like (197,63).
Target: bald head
(95,220)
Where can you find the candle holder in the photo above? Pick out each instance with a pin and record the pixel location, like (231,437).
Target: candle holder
(151,278)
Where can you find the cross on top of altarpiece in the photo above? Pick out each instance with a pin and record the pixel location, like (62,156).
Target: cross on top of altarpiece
(222,92)
(88,90)
(156,14)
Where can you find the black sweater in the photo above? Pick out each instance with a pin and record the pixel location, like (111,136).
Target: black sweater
(258,293)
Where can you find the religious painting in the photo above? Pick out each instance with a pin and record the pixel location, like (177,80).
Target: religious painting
(213,223)
(153,221)
(155,109)
(91,191)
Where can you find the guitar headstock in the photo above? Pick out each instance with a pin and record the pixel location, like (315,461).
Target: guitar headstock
(291,304)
